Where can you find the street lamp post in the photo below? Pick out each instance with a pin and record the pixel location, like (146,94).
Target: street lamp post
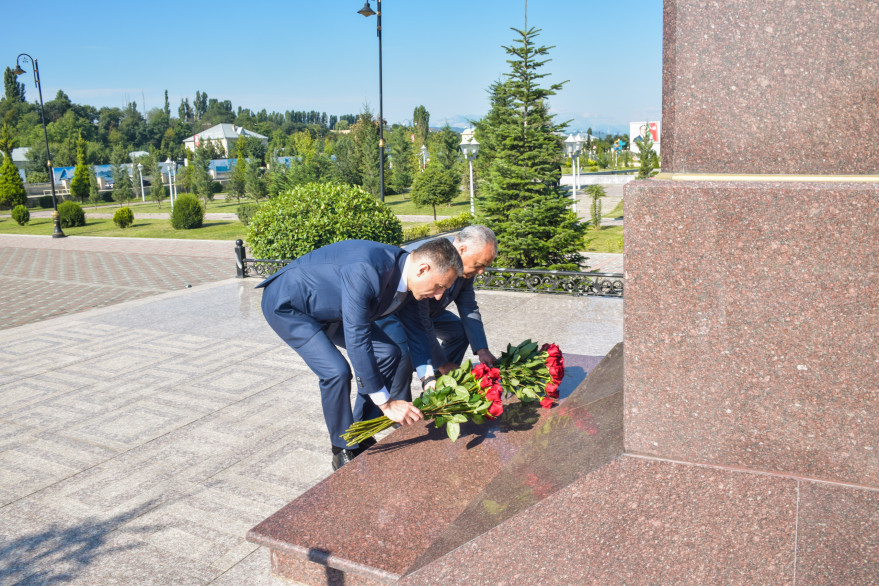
(580,142)
(142,193)
(571,151)
(367,12)
(423,157)
(56,232)
(470,149)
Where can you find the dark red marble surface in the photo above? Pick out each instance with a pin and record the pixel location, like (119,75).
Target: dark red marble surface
(751,326)
(638,521)
(770,87)
(838,535)
(379,514)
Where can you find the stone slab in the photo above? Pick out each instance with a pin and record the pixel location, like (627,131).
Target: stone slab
(770,87)
(416,495)
(751,326)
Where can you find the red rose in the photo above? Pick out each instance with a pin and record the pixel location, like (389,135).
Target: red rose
(554,351)
(557,372)
(493,394)
(552,390)
(496,409)
(546,402)
(494,373)
(545,347)
(479,371)
(485,382)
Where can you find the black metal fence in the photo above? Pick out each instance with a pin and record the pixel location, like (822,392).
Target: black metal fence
(528,280)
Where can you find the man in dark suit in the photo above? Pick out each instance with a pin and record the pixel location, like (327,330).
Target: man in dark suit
(447,334)
(332,297)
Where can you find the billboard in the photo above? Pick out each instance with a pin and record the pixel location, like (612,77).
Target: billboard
(637,130)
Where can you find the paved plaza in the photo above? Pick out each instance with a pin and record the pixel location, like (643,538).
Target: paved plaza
(142,436)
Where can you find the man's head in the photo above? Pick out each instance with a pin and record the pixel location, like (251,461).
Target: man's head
(433,267)
(477,246)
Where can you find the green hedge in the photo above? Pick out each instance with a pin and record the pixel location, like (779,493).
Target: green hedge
(316,214)
(245,212)
(21,215)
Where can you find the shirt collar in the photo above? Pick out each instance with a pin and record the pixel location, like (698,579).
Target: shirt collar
(403,285)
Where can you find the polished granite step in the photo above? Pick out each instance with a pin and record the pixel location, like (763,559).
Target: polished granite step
(416,496)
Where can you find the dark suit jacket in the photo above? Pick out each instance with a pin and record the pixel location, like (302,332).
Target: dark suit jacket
(462,294)
(352,282)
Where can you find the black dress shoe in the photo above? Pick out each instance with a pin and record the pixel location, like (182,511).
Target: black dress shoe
(342,458)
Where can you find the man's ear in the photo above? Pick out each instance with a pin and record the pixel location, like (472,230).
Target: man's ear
(462,248)
(422,269)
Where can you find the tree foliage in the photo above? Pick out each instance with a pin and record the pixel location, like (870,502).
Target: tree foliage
(421,122)
(435,186)
(12,192)
(523,202)
(80,184)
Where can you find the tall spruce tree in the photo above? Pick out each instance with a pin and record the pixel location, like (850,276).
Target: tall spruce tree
(79,185)
(524,204)
(12,191)
(13,89)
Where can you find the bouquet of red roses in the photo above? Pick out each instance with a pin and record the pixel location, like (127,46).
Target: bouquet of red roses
(475,394)
(532,374)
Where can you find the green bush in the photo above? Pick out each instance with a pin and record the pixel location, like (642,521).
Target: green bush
(46,201)
(246,211)
(416,233)
(462,220)
(123,217)
(187,213)
(21,215)
(71,214)
(316,214)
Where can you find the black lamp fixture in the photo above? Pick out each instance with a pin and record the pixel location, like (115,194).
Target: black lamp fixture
(367,11)
(56,233)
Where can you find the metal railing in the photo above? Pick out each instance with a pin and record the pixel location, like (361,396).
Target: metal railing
(494,279)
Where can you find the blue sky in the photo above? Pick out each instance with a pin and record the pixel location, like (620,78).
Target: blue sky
(322,55)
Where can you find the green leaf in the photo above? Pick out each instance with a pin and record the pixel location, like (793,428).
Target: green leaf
(445,381)
(478,419)
(462,394)
(458,418)
(454,430)
(440,421)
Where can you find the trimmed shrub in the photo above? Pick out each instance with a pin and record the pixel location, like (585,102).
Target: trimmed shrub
(187,213)
(71,214)
(246,211)
(462,220)
(46,201)
(316,214)
(416,233)
(123,217)
(21,215)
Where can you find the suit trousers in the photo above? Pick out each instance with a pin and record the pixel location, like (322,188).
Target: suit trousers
(321,354)
(453,340)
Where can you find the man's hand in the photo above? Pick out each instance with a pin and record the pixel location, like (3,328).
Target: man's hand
(402,412)
(486,357)
(447,367)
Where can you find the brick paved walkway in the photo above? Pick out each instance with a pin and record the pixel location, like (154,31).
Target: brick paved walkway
(45,277)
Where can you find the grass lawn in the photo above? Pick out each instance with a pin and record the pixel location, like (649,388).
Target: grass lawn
(607,239)
(210,230)
(401,205)
(616,212)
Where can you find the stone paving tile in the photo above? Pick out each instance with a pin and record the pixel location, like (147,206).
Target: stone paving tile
(139,442)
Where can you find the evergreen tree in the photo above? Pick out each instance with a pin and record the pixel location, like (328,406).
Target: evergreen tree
(254,185)
(596,192)
(94,194)
(167,108)
(79,185)
(446,148)
(645,146)
(14,88)
(200,174)
(402,159)
(421,122)
(157,187)
(12,192)
(237,182)
(122,190)
(7,142)
(365,136)
(524,204)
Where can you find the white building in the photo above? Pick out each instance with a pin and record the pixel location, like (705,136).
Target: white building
(223,134)
(637,130)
